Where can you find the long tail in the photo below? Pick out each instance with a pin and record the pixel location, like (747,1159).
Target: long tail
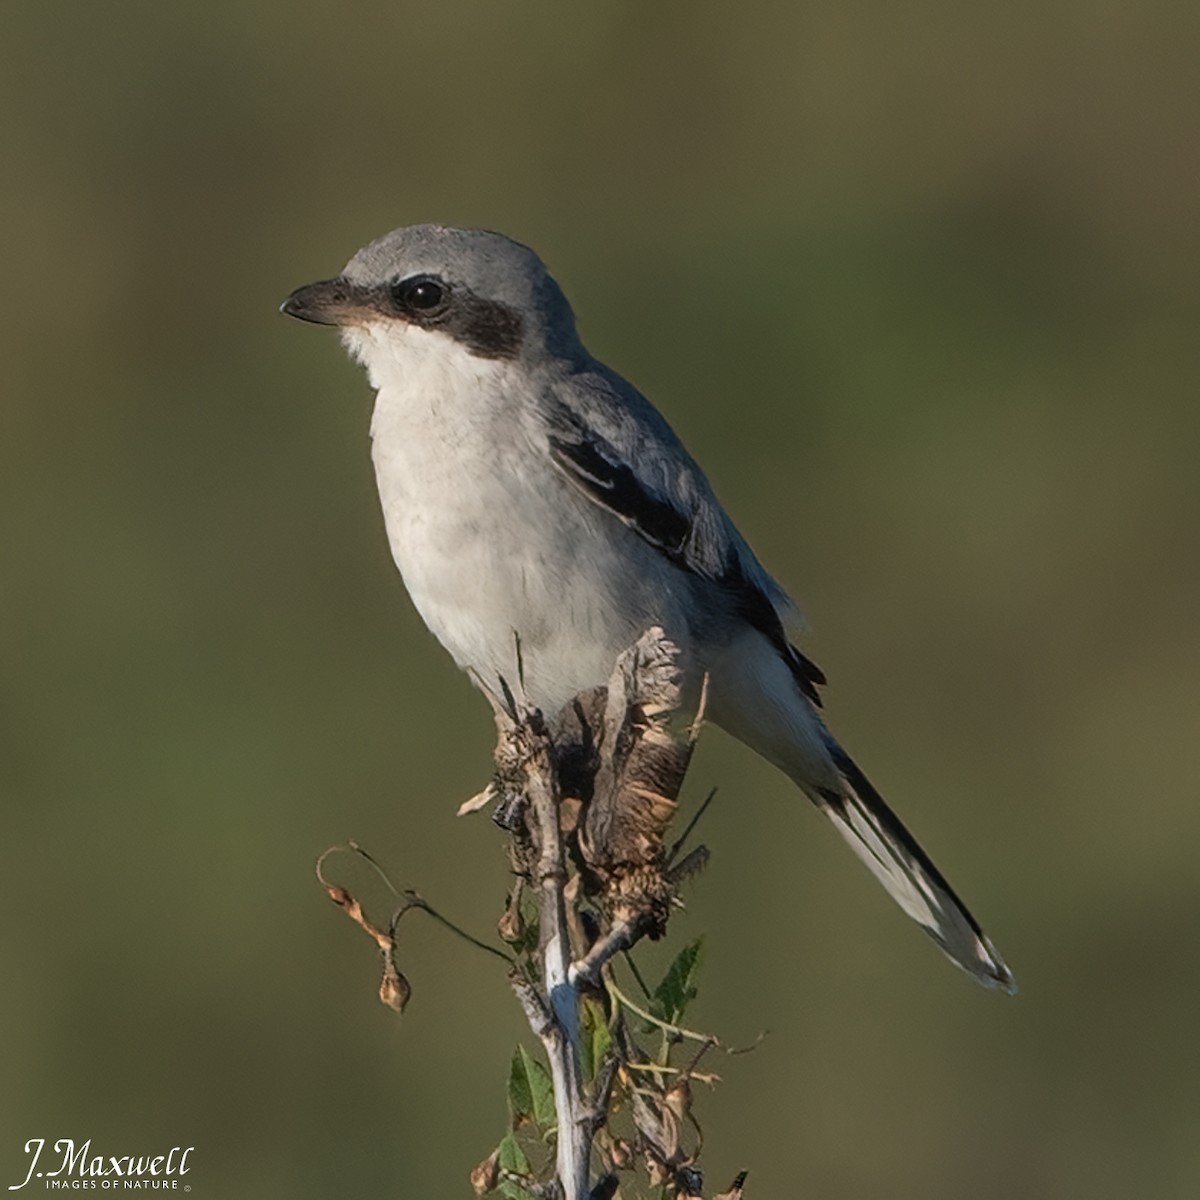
(877,836)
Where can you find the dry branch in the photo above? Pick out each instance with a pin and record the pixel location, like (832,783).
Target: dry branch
(588,802)
(587,799)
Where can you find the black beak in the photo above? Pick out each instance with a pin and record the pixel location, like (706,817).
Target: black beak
(327,302)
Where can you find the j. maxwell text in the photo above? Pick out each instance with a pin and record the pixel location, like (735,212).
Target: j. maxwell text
(81,1163)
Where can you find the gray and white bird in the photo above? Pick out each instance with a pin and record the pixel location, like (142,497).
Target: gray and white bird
(529,489)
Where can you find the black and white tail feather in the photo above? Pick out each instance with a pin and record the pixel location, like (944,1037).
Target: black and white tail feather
(891,853)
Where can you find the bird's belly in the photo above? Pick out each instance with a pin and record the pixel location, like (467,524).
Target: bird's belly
(503,558)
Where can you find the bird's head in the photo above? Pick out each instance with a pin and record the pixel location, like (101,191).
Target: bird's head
(432,289)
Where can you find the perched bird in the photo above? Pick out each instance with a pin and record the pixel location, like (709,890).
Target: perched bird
(528,489)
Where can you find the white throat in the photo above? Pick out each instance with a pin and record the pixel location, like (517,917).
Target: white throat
(398,355)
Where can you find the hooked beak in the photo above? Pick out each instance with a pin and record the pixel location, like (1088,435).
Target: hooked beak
(329,302)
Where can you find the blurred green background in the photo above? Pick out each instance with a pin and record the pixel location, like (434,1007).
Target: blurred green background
(916,283)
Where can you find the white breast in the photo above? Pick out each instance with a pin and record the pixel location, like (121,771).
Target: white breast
(491,540)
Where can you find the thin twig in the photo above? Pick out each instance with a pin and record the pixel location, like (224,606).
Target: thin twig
(410,898)
(638,976)
(687,832)
(649,1068)
(665,1026)
(413,900)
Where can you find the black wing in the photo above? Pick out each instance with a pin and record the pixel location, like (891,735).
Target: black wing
(682,520)
(593,466)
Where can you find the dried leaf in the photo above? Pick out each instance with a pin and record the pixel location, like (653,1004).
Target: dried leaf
(486,1175)
(648,1120)
(478,801)
(621,1154)
(678,1098)
(655,1169)
(394,989)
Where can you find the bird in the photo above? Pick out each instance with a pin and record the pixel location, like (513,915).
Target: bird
(529,491)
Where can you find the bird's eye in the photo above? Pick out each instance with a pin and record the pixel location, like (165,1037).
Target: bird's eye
(421,293)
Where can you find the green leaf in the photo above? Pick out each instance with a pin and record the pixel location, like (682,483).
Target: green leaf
(587,1020)
(542,1090)
(520,1098)
(512,1158)
(678,988)
(530,1093)
(601,1041)
(596,1038)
